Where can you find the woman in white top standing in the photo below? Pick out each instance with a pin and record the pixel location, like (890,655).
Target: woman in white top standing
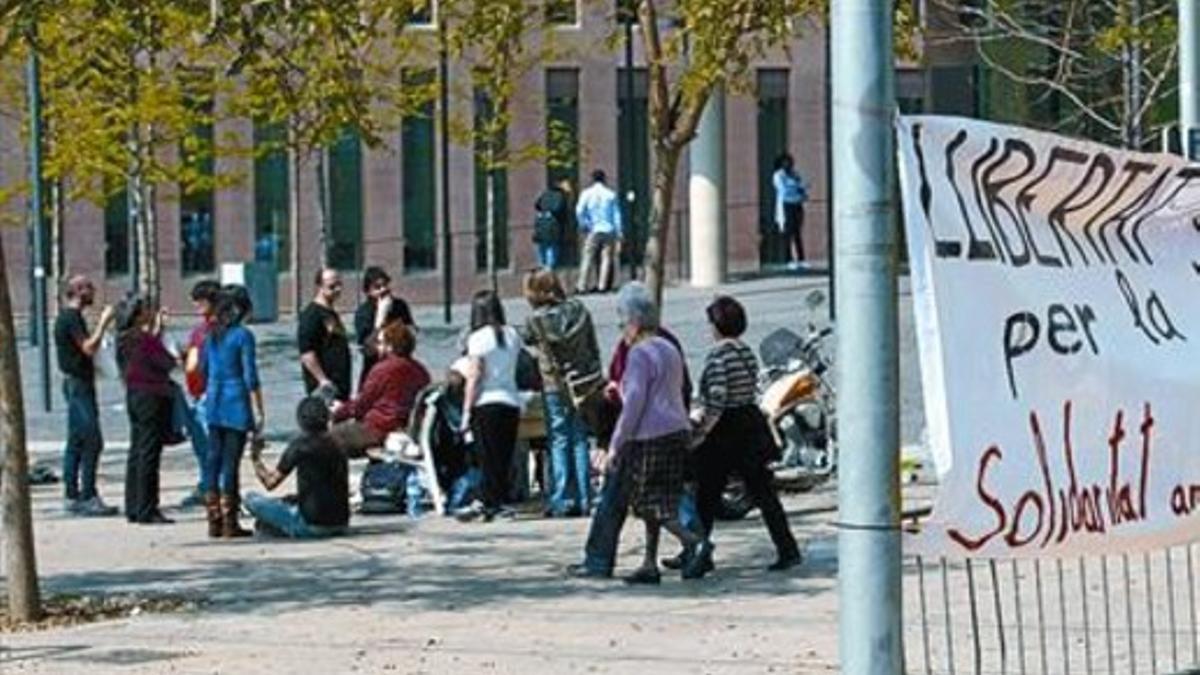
(790,194)
(491,408)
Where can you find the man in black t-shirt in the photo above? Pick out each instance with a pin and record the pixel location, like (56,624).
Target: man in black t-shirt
(322,339)
(380,308)
(76,348)
(321,507)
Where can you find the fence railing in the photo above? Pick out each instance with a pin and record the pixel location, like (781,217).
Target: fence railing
(1130,613)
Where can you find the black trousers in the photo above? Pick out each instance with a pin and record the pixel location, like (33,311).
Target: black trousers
(793,215)
(495,428)
(149,416)
(735,447)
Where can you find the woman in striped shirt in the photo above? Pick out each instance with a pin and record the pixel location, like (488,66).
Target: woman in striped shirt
(734,433)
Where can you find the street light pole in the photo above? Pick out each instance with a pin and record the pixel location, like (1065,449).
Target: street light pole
(867,355)
(1189,77)
(444,148)
(629,15)
(40,309)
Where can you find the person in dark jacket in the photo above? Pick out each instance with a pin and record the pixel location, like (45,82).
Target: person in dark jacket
(380,308)
(733,434)
(551,222)
(234,407)
(561,331)
(146,367)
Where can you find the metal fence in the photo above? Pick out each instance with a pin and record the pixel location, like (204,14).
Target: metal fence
(1134,613)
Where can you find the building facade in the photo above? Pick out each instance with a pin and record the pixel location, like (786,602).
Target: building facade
(384,202)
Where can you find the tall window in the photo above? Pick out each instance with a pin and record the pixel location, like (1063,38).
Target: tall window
(116,234)
(564,12)
(633,160)
(196,204)
(271,195)
(772,93)
(422,14)
(345,202)
(496,145)
(420,182)
(562,141)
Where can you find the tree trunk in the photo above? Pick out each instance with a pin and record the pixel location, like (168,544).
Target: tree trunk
(56,230)
(152,282)
(321,169)
(24,598)
(294,221)
(490,233)
(666,164)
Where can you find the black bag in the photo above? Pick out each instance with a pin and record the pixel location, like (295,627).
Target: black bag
(529,376)
(383,488)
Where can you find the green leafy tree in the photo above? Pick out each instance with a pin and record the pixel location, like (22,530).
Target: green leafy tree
(692,48)
(128,85)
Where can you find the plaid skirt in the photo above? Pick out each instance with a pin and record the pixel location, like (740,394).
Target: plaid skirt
(655,471)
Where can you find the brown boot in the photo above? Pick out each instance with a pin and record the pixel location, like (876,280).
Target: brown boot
(230,528)
(212,505)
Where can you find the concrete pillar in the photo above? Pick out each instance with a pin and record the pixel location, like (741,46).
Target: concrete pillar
(706,196)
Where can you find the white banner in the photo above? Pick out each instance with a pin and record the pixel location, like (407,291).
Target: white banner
(1056,285)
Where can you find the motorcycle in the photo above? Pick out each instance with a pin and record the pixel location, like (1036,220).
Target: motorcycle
(797,395)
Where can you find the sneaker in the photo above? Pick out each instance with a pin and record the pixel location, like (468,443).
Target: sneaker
(70,506)
(95,507)
(470,512)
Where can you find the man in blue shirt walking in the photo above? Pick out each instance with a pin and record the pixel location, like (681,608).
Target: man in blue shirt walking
(599,216)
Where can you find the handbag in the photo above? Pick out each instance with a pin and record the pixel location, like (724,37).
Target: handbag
(529,376)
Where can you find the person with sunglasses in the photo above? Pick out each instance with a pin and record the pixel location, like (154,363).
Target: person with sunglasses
(323,341)
(379,308)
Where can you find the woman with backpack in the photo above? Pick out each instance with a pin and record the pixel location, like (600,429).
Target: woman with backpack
(234,406)
(552,219)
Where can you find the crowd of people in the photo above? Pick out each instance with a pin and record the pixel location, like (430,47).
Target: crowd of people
(661,446)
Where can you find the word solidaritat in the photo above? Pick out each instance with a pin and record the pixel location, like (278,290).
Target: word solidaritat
(1052,274)
(1055,510)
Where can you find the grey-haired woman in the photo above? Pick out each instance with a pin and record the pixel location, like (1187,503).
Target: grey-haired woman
(651,439)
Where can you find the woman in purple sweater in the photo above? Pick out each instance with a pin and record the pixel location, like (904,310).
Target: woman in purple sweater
(146,367)
(651,439)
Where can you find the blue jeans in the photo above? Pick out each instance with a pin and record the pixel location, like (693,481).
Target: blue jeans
(548,255)
(286,518)
(188,414)
(225,448)
(464,490)
(84,441)
(600,551)
(569,447)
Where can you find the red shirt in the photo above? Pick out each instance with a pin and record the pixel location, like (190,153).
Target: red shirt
(194,378)
(387,397)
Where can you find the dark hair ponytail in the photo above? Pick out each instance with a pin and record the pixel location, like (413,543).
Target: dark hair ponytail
(233,304)
(487,310)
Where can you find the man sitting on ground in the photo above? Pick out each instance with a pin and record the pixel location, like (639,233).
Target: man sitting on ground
(321,507)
